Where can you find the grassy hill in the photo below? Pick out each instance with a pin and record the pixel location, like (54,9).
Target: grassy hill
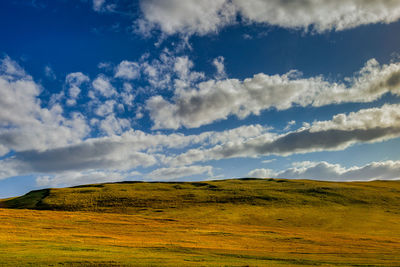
(134,197)
(236,222)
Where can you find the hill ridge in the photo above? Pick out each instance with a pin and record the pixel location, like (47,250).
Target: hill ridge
(134,196)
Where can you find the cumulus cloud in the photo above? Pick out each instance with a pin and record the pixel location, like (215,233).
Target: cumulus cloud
(103,86)
(202,17)
(127,70)
(344,130)
(11,69)
(385,170)
(220,67)
(105,108)
(48,142)
(136,148)
(185,17)
(24,124)
(73,81)
(208,101)
(112,125)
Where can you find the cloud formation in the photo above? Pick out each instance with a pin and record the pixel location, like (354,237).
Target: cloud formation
(209,16)
(364,126)
(127,70)
(73,81)
(385,170)
(47,142)
(122,152)
(204,102)
(103,86)
(186,17)
(24,124)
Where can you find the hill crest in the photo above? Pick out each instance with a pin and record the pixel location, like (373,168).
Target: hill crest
(133,197)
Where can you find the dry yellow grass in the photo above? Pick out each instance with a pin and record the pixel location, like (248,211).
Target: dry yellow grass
(331,232)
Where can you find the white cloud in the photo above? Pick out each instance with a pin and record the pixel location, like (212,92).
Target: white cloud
(74,91)
(11,68)
(168,72)
(365,126)
(128,150)
(74,81)
(197,104)
(320,15)
(127,96)
(220,67)
(178,172)
(209,16)
(80,178)
(48,142)
(105,108)
(103,86)
(384,170)
(112,125)
(127,70)
(261,173)
(131,148)
(185,17)
(24,124)
(238,135)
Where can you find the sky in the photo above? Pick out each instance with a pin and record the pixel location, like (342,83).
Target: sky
(167,90)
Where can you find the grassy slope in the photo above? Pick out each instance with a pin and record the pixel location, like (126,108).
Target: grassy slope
(233,222)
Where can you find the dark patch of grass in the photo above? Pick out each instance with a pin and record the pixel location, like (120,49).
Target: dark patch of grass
(285,260)
(250,179)
(31,200)
(92,263)
(199,184)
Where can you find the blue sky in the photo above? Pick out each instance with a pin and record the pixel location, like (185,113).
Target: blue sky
(112,90)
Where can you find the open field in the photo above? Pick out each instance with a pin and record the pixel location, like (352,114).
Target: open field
(232,222)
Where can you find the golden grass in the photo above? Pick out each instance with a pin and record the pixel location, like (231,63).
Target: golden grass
(230,223)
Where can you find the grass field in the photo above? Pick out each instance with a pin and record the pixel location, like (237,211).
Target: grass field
(247,222)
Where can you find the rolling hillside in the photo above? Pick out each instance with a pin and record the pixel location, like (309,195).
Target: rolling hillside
(134,197)
(228,222)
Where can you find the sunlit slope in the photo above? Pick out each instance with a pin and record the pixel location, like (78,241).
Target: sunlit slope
(134,197)
(254,222)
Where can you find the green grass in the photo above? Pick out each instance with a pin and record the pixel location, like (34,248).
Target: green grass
(236,222)
(32,200)
(134,197)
